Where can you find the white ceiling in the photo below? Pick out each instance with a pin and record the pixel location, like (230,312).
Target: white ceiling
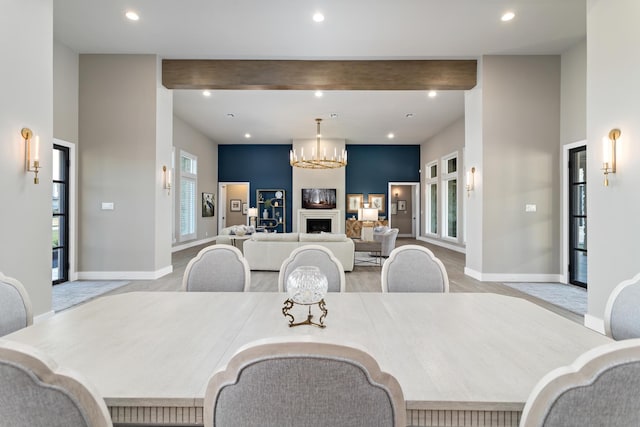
(353,29)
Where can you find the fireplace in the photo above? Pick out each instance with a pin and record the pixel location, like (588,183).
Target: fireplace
(318,225)
(333,215)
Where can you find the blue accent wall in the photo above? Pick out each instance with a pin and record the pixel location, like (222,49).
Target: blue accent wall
(264,166)
(372,167)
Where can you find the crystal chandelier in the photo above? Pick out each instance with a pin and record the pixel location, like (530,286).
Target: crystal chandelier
(318,159)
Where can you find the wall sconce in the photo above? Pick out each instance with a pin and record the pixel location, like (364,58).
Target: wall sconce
(471,180)
(34,166)
(166,179)
(609,154)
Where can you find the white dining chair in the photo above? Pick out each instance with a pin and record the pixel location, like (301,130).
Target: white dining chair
(303,383)
(217,268)
(316,256)
(622,312)
(413,268)
(15,306)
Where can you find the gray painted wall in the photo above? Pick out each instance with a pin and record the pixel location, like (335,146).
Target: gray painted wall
(27,101)
(450,139)
(520,149)
(119,163)
(187,138)
(573,94)
(65,93)
(613,37)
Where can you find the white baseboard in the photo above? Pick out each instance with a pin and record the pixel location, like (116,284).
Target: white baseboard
(43,316)
(124,275)
(192,244)
(500,277)
(595,323)
(446,245)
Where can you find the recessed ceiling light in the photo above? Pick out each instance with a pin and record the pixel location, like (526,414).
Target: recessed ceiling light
(318,17)
(131,15)
(508,16)
(247,135)
(409,115)
(334,115)
(432,94)
(318,94)
(230,115)
(206,92)
(390,135)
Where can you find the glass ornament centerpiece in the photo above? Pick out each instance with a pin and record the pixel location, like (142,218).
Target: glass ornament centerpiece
(306,285)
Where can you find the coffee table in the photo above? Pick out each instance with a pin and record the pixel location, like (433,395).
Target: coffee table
(370,246)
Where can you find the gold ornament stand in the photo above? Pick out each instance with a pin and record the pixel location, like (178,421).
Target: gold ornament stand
(289,304)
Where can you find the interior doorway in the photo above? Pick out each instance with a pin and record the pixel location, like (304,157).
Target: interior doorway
(404,208)
(63,208)
(575,214)
(233,202)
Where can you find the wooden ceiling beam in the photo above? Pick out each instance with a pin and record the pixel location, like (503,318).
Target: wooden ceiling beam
(323,75)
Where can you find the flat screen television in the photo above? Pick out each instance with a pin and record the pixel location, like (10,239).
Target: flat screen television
(318,198)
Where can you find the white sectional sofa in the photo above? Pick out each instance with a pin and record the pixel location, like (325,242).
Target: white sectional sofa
(267,251)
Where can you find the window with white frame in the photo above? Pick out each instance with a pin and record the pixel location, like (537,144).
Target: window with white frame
(450,196)
(431,198)
(188,191)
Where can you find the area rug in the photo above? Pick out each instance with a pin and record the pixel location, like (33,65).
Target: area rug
(68,294)
(364,259)
(573,298)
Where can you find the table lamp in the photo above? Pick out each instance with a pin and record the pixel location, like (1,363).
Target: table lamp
(369,215)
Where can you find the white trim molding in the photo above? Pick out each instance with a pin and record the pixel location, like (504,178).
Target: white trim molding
(125,275)
(509,277)
(44,316)
(595,323)
(437,242)
(192,244)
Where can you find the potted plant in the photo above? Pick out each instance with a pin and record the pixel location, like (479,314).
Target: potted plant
(267,206)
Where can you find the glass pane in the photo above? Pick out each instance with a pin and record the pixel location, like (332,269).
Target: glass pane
(452,165)
(579,170)
(580,233)
(187,206)
(58,169)
(55,231)
(57,200)
(433,171)
(452,208)
(188,164)
(579,199)
(433,209)
(57,270)
(580,266)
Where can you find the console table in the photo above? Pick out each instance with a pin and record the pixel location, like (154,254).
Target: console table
(354,227)
(460,358)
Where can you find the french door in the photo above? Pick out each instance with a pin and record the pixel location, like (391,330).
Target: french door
(578,216)
(60,219)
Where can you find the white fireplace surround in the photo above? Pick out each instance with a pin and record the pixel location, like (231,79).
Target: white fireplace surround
(332,214)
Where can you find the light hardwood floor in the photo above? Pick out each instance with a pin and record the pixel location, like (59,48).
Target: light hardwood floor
(361,279)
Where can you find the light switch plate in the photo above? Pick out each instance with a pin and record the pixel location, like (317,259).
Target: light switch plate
(107,206)
(530,208)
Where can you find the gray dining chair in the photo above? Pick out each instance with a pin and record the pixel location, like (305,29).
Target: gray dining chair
(34,392)
(622,312)
(316,256)
(413,268)
(303,383)
(601,388)
(15,306)
(217,268)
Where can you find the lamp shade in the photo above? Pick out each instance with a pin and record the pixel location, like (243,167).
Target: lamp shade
(252,212)
(369,214)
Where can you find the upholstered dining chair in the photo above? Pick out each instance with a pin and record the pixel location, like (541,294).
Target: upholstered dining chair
(622,312)
(317,256)
(15,306)
(217,268)
(34,392)
(303,383)
(601,388)
(413,268)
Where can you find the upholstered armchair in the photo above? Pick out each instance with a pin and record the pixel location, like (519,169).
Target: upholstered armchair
(388,238)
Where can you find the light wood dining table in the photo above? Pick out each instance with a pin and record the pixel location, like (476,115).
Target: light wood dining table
(460,358)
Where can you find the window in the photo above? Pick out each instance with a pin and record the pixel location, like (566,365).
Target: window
(450,196)
(432,198)
(188,191)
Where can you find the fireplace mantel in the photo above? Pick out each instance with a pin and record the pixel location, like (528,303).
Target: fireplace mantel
(332,214)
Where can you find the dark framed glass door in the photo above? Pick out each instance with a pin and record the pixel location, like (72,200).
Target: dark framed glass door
(60,219)
(578,216)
